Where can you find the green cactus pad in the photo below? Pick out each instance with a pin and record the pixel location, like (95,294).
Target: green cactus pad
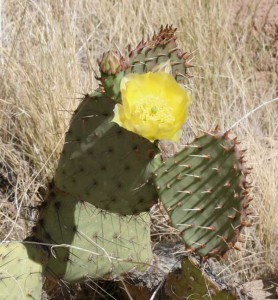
(204,191)
(21,267)
(104,164)
(145,57)
(159,49)
(90,243)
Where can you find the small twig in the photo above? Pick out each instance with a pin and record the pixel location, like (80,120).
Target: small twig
(251,112)
(157,289)
(126,290)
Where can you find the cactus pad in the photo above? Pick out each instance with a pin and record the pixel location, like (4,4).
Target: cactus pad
(159,49)
(90,243)
(21,267)
(203,189)
(145,57)
(105,164)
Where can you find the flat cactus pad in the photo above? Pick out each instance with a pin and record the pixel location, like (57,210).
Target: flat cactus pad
(204,190)
(90,243)
(21,267)
(104,164)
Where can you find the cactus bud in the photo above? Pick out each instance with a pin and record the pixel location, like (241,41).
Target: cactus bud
(112,62)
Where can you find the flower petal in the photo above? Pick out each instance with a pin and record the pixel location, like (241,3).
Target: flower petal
(153,105)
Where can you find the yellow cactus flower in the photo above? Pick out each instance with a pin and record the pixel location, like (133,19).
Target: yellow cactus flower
(153,105)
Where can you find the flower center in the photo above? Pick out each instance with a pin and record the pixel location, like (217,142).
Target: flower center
(153,109)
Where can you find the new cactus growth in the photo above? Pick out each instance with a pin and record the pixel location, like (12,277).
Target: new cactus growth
(95,218)
(112,66)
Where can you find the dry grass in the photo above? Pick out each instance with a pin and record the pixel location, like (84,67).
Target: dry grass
(48,52)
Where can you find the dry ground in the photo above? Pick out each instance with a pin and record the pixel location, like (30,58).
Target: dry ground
(48,52)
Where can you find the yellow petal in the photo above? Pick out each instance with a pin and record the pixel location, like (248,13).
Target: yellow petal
(153,105)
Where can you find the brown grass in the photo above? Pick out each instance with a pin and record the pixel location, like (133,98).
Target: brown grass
(48,52)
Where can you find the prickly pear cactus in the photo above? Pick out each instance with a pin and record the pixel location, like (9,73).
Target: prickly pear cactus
(90,243)
(145,57)
(203,189)
(103,163)
(21,267)
(95,218)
